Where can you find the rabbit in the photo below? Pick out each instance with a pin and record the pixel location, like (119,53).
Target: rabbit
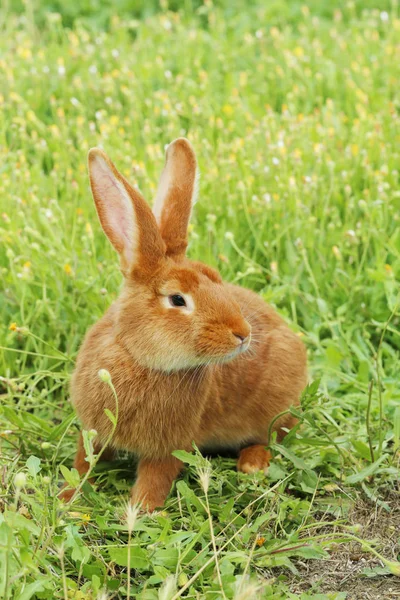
(191,358)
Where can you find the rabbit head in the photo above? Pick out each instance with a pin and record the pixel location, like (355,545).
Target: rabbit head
(173,313)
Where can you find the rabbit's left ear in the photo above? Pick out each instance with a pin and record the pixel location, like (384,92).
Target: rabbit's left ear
(175,196)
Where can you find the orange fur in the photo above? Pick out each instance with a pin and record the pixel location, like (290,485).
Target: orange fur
(254,458)
(180,374)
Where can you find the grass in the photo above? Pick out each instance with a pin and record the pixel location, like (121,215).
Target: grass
(295,115)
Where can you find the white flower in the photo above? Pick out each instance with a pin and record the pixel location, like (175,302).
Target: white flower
(75,102)
(229,235)
(168,75)
(267,198)
(384,16)
(61,70)
(131,514)
(93,69)
(275,160)
(204,474)
(168,588)
(114,53)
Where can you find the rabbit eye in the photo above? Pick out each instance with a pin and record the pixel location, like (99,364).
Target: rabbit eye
(177,300)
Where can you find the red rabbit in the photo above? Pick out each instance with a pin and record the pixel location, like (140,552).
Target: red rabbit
(192,358)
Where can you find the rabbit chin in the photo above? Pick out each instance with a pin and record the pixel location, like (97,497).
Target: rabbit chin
(174,360)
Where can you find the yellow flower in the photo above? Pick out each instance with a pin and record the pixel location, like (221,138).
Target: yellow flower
(388,269)
(68,269)
(336,252)
(260,541)
(227,109)
(13,327)
(24,53)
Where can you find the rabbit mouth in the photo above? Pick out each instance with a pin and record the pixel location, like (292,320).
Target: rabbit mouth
(234,353)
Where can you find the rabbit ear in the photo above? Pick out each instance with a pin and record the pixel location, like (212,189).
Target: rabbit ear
(125,216)
(176,195)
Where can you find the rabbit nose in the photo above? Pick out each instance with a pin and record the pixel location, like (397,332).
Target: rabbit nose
(241,338)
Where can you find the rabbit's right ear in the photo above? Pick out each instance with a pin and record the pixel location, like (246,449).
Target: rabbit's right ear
(125,216)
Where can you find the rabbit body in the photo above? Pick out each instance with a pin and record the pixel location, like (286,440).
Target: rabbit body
(191,358)
(220,405)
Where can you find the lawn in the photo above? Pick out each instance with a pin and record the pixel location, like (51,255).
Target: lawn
(294,112)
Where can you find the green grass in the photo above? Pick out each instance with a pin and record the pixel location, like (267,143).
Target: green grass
(295,116)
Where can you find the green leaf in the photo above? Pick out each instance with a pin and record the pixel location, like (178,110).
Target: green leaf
(187,493)
(138,557)
(322,306)
(333,355)
(30,590)
(33,465)
(363,371)
(362,449)
(226,510)
(313,387)
(367,472)
(376,571)
(70,476)
(166,557)
(80,553)
(276,472)
(308,551)
(297,462)
(88,445)
(111,416)
(19,523)
(308,481)
(188,458)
